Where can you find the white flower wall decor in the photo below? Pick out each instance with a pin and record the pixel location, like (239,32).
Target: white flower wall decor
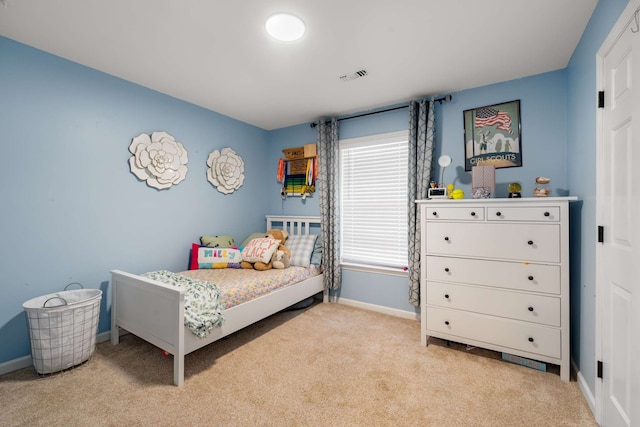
(226,170)
(158,159)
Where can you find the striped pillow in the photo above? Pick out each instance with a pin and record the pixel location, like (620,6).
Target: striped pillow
(301,247)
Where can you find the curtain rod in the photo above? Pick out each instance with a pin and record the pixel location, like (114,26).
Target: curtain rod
(438,100)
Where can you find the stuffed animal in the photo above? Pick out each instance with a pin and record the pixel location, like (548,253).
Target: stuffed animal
(280,260)
(280,235)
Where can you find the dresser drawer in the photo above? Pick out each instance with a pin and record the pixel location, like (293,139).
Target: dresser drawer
(443,213)
(537,214)
(541,309)
(502,274)
(530,242)
(513,334)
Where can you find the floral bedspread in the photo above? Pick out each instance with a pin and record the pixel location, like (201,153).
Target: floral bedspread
(202,301)
(238,286)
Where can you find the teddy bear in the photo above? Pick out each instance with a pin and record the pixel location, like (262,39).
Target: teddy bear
(280,235)
(280,259)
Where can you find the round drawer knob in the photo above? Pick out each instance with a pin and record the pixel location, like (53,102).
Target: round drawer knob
(473,214)
(530,277)
(446,269)
(498,213)
(446,296)
(530,242)
(446,322)
(446,239)
(530,308)
(531,339)
(434,213)
(547,214)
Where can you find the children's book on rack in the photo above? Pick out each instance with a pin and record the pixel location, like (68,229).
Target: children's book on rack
(295,184)
(298,171)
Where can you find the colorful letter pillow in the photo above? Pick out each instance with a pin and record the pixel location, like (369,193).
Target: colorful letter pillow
(209,257)
(260,249)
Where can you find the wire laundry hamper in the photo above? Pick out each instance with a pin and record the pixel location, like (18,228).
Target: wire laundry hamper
(63,328)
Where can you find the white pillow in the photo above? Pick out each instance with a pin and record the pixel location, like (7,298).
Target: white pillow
(301,247)
(260,249)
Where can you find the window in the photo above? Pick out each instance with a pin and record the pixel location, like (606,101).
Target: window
(373,200)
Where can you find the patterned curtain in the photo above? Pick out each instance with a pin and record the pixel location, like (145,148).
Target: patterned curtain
(421,141)
(328,152)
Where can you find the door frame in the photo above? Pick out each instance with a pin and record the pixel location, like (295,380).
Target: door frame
(623,20)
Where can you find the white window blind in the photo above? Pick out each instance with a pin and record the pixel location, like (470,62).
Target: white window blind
(373,200)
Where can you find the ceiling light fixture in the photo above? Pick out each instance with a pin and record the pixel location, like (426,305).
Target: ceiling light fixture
(285,27)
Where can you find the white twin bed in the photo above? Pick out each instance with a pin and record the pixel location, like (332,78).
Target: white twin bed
(155,311)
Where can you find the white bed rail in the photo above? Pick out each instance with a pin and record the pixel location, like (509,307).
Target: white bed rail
(293,224)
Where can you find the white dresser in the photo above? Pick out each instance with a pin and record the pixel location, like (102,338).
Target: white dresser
(495,274)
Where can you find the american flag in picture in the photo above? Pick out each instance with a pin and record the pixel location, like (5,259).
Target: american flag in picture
(490,116)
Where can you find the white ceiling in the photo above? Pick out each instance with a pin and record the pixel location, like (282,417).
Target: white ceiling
(216,53)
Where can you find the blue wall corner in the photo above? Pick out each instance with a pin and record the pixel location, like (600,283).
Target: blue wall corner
(72,210)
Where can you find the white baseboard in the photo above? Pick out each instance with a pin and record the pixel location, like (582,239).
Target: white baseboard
(377,308)
(15,364)
(25,361)
(586,391)
(103,336)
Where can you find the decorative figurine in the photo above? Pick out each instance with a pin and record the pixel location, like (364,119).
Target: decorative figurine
(514,190)
(541,190)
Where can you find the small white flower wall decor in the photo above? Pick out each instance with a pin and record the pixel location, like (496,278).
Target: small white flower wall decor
(158,159)
(226,170)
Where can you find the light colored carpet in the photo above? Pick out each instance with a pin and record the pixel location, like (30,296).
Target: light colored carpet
(328,365)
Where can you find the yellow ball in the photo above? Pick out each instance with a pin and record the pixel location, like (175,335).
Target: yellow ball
(457,194)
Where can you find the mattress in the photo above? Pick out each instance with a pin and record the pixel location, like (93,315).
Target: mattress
(238,286)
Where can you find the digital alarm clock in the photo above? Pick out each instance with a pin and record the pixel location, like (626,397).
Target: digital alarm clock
(440,192)
(437,193)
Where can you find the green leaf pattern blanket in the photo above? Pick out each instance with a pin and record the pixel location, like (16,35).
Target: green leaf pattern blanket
(202,307)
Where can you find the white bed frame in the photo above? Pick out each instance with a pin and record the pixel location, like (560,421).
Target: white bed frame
(155,312)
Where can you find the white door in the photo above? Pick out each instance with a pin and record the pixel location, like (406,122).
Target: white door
(618,204)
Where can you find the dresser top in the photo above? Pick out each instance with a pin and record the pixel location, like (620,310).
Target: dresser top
(502,200)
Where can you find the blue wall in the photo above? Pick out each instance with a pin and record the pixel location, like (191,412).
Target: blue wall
(72,211)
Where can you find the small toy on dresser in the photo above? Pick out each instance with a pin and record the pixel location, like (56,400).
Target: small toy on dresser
(457,194)
(514,190)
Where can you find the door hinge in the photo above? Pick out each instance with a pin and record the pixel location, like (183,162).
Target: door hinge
(600,234)
(599,374)
(601,99)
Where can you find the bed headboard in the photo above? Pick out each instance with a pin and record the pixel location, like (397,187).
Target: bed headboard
(294,224)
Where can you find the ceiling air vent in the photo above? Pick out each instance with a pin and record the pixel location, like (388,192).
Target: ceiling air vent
(353,76)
